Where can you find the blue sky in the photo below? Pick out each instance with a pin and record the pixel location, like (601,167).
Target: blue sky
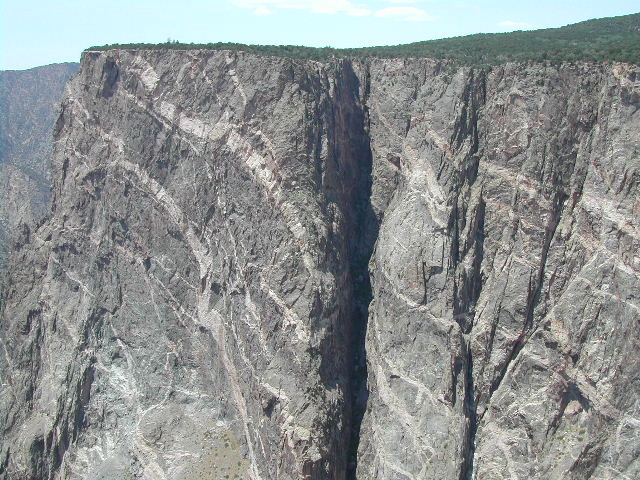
(38,32)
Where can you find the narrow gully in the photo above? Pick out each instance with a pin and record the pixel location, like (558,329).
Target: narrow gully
(352,119)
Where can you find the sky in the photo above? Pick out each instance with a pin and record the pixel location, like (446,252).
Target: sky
(39,32)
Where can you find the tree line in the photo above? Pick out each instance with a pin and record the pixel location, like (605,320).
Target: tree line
(600,40)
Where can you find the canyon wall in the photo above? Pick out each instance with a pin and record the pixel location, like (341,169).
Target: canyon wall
(260,267)
(503,333)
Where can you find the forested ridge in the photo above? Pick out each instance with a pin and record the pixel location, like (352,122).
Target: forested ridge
(599,40)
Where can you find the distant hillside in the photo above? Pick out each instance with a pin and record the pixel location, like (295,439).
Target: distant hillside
(605,39)
(29,102)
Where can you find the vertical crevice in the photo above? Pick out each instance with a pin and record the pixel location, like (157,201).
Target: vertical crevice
(359,393)
(352,120)
(467,227)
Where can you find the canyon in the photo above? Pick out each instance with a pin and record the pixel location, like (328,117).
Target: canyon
(29,101)
(275,268)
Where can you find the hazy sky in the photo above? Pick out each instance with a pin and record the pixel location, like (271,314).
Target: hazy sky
(38,32)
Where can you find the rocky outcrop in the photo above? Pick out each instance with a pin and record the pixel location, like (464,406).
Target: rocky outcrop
(505,316)
(29,101)
(232,236)
(193,294)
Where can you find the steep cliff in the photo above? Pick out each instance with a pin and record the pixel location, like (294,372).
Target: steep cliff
(29,101)
(503,333)
(226,227)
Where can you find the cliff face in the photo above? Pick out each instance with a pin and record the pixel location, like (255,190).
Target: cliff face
(226,227)
(503,333)
(29,101)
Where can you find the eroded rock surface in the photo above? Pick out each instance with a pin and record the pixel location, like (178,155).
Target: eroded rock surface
(194,281)
(503,334)
(195,307)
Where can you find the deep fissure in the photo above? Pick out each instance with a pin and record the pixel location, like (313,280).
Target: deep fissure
(353,119)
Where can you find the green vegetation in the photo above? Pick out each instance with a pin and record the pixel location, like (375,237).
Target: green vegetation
(601,40)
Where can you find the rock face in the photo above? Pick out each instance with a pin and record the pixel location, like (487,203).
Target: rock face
(226,227)
(503,333)
(29,101)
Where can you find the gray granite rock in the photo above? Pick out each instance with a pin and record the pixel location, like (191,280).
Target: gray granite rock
(503,334)
(192,294)
(224,224)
